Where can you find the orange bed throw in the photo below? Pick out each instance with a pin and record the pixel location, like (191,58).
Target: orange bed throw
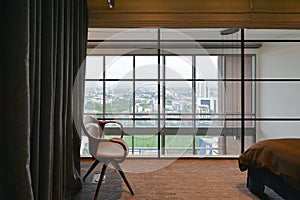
(280,156)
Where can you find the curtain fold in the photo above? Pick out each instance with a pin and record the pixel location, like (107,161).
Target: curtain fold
(45,44)
(15,102)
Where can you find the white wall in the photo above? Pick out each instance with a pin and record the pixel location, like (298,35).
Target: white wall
(278,99)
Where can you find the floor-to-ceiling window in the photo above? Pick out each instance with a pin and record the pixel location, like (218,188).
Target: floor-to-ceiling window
(179,96)
(177,92)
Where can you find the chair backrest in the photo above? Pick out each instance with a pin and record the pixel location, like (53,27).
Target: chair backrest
(92,130)
(89,120)
(92,127)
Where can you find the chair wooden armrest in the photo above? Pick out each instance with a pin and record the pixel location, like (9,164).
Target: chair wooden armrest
(103,123)
(121,142)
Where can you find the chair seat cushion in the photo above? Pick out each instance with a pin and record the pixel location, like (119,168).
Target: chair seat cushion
(108,149)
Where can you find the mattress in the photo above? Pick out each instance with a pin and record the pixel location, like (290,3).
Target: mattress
(280,156)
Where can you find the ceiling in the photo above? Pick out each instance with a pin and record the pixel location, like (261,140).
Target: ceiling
(266,14)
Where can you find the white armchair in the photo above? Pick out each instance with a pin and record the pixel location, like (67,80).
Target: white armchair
(107,151)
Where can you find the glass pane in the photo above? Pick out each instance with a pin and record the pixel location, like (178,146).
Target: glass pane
(178,97)
(93,97)
(145,145)
(209,96)
(208,145)
(207,67)
(233,66)
(128,140)
(232,145)
(118,67)
(209,120)
(146,97)
(232,97)
(119,97)
(178,67)
(178,145)
(146,67)
(84,147)
(249,97)
(112,130)
(94,67)
(234,122)
(249,141)
(250,123)
(229,143)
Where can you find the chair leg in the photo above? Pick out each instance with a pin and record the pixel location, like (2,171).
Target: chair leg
(117,166)
(100,181)
(91,169)
(126,181)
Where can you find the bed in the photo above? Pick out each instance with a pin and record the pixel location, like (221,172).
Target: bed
(274,163)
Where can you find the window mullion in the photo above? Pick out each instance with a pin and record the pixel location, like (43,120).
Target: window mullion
(133,98)
(194,99)
(103,87)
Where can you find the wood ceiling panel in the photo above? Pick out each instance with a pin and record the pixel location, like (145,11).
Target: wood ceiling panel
(231,6)
(195,14)
(276,6)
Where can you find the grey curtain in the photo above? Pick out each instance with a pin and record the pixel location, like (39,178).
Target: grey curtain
(43,47)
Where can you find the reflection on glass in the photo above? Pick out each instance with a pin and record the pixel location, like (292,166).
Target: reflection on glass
(118,67)
(233,123)
(233,97)
(93,97)
(209,145)
(207,67)
(146,97)
(233,66)
(146,67)
(208,102)
(178,67)
(84,147)
(232,144)
(145,145)
(94,67)
(178,144)
(198,99)
(178,97)
(119,97)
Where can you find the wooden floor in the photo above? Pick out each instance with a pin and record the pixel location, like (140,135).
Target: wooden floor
(182,179)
